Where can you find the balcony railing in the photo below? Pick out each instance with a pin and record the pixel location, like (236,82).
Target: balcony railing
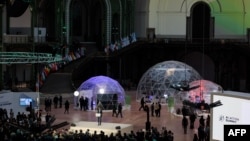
(15,39)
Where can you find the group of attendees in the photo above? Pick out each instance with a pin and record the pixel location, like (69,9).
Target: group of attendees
(188,120)
(29,127)
(153,135)
(56,101)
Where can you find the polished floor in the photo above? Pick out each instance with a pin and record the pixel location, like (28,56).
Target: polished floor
(131,115)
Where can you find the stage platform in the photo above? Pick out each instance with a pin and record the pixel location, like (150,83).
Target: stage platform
(107,128)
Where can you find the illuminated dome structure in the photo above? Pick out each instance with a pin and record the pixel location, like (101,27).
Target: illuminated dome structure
(158,80)
(203,92)
(104,89)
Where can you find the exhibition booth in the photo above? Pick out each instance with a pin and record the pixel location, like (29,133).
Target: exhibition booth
(100,88)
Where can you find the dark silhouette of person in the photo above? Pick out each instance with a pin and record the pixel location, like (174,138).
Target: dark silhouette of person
(185,124)
(195,137)
(86,103)
(208,120)
(92,103)
(55,101)
(66,105)
(201,133)
(152,109)
(184,111)
(202,121)
(60,101)
(192,119)
(114,108)
(159,110)
(142,104)
(47,119)
(119,110)
(81,101)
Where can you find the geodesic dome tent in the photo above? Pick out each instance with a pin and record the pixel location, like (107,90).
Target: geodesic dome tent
(203,92)
(104,89)
(157,80)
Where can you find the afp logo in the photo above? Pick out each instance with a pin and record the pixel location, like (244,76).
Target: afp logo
(236,132)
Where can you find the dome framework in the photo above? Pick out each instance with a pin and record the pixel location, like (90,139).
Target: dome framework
(156,82)
(104,89)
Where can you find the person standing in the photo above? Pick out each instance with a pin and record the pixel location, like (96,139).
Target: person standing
(156,109)
(11,118)
(49,100)
(142,104)
(55,101)
(99,109)
(201,132)
(119,110)
(202,121)
(66,105)
(114,107)
(86,104)
(81,101)
(152,109)
(159,109)
(47,119)
(92,103)
(192,118)
(60,101)
(185,124)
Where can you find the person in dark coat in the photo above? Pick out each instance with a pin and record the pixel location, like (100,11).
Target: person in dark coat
(142,104)
(66,105)
(202,121)
(119,110)
(60,101)
(192,118)
(185,124)
(81,101)
(55,101)
(201,132)
(159,110)
(152,109)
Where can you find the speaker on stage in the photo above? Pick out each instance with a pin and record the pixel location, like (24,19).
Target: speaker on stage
(148,126)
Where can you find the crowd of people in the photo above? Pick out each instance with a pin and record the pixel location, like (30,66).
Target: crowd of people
(188,120)
(24,127)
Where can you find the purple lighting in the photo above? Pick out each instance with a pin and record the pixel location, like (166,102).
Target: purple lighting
(100,87)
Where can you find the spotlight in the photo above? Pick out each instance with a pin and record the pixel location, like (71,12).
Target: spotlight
(76,93)
(101,91)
